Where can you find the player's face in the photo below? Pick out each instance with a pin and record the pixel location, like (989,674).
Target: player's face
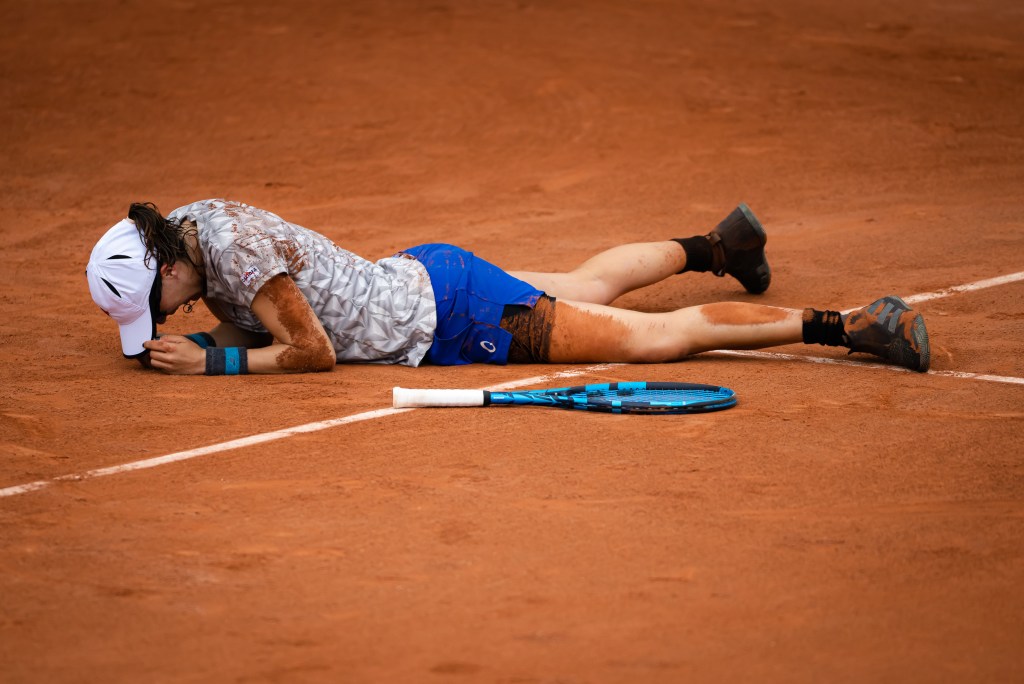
(180,285)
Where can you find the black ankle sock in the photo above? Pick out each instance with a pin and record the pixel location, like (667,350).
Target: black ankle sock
(824,327)
(699,256)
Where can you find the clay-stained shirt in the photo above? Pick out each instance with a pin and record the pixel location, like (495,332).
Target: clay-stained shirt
(373,312)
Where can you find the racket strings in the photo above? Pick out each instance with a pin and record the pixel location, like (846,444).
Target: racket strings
(658,395)
(631,397)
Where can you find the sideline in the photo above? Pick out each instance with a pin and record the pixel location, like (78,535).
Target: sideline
(969,287)
(383,413)
(861,364)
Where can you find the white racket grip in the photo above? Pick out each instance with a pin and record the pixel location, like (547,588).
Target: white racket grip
(402,397)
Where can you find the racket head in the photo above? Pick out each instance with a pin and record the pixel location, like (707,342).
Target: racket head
(634,397)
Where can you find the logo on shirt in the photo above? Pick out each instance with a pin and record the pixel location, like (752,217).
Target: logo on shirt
(488,346)
(251,274)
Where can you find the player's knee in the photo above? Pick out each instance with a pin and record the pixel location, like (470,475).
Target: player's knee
(591,287)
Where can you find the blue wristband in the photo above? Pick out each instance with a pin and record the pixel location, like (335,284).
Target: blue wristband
(203,339)
(227,361)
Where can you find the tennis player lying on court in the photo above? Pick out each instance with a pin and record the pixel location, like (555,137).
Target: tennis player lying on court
(290,300)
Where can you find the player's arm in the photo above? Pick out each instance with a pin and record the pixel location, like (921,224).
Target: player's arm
(227,334)
(299,344)
(224,334)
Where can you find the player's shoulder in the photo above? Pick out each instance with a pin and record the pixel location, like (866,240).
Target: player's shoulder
(194,210)
(223,216)
(215,205)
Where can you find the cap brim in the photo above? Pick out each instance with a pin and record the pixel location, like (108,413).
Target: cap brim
(133,334)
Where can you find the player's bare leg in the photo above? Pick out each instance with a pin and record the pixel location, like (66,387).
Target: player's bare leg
(574,332)
(584,332)
(734,247)
(612,273)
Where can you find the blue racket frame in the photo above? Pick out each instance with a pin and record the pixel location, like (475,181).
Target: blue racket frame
(624,397)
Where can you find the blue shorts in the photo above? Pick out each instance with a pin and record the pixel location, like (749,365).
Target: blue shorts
(471,296)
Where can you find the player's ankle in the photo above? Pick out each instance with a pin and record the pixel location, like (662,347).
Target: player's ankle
(700,256)
(824,327)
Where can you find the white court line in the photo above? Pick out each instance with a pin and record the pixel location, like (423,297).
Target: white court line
(969,287)
(862,364)
(383,413)
(277,434)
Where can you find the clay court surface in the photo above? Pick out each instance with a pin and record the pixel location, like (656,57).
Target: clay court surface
(844,523)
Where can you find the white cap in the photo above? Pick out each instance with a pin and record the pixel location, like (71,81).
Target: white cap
(121,281)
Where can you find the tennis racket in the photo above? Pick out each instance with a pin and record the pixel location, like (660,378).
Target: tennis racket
(615,397)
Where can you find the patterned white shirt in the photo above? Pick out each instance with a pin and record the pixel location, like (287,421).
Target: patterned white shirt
(380,312)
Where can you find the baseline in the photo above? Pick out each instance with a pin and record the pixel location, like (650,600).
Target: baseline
(272,436)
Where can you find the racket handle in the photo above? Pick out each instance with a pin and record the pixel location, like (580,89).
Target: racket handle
(423,398)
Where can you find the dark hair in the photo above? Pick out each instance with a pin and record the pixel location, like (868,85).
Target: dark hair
(164,238)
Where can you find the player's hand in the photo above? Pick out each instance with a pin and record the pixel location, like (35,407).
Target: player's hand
(176,355)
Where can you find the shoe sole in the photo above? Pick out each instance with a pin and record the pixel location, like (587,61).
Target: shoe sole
(763,273)
(920,334)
